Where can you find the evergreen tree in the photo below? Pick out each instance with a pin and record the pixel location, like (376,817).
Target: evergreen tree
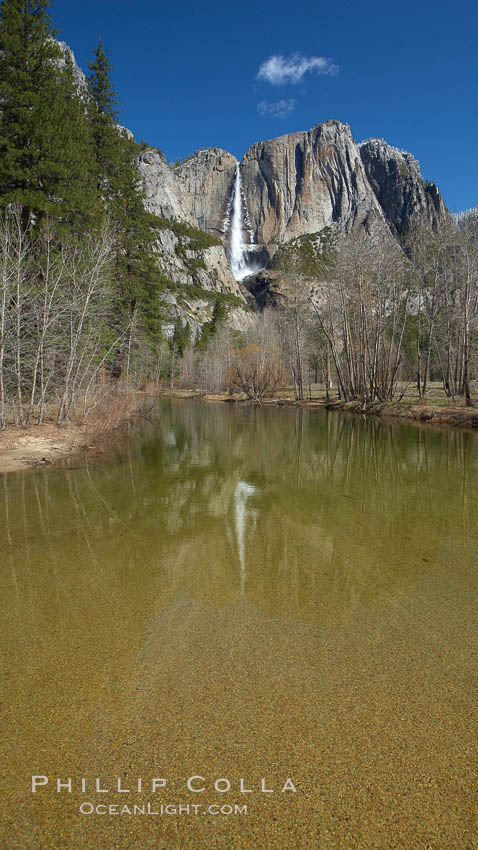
(136,272)
(181,337)
(209,328)
(109,154)
(43,131)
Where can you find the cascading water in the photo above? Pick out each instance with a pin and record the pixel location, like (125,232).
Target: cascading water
(237,240)
(236,217)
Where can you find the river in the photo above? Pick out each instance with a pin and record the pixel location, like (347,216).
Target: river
(243,593)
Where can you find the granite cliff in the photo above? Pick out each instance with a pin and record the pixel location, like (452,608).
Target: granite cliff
(300,183)
(403,195)
(205,180)
(196,273)
(163,193)
(193,262)
(303,182)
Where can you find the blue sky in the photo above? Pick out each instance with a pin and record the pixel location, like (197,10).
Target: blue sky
(188,74)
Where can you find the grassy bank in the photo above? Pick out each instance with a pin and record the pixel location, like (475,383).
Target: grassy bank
(464,417)
(435,409)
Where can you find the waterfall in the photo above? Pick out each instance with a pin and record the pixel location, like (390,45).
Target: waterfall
(237,241)
(236,217)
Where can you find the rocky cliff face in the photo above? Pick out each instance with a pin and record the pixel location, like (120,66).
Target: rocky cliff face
(206,180)
(196,267)
(197,273)
(69,56)
(302,182)
(164,194)
(403,195)
(182,249)
(196,194)
(187,263)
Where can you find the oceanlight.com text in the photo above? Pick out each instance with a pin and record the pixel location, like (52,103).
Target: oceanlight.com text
(162,810)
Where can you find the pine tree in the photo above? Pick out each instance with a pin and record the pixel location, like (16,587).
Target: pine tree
(43,131)
(137,275)
(181,337)
(103,113)
(209,328)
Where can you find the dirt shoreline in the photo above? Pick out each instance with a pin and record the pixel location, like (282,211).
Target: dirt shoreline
(42,445)
(48,443)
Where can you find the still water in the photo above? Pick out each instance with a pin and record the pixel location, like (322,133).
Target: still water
(244,593)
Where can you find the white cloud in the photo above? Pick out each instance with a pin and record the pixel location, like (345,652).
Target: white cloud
(279,70)
(276,108)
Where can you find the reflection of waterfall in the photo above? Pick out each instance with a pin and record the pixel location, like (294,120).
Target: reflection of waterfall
(237,218)
(242,493)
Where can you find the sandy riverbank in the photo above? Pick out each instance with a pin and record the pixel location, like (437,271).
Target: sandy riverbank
(40,445)
(48,443)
